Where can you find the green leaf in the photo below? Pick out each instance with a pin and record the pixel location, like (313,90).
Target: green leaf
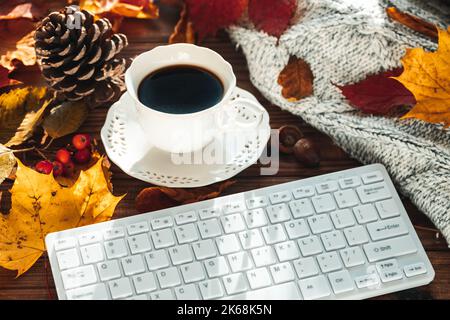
(65,119)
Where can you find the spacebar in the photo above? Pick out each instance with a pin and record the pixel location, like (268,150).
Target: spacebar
(285,291)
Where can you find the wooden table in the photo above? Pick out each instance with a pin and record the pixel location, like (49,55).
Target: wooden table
(37,283)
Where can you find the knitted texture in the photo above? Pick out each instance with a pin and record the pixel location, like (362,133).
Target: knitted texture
(344,41)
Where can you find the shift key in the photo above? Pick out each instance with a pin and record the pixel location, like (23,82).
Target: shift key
(390,248)
(373,192)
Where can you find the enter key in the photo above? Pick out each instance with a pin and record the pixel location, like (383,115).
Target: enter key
(387,229)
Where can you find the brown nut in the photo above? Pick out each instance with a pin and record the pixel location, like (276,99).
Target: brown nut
(288,136)
(305,153)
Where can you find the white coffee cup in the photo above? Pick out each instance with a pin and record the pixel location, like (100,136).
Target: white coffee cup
(182,133)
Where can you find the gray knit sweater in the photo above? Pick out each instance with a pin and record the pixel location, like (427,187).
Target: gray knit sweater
(344,41)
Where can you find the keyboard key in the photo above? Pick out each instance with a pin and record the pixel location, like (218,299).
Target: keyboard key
(390,248)
(209,213)
(136,228)
(387,229)
(166,294)
(240,261)
(387,209)
(93,292)
(251,239)
(306,267)
(287,251)
(157,259)
(278,213)
(341,281)
(138,297)
(264,256)
(78,277)
(120,288)
(235,283)
(373,192)
(186,233)
(342,218)
(161,223)
(180,254)
(187,292)
(372,177)
(232,223)
(349,182)
(258,278)
(303,192)
(133,265)
(310,246)
(320,223)
(301,208)
(296,229)
(387,265)
(279,197)
(323,203)
(186,217)
(356,235)
(325,187)
(89,238)
(168,277)
(114,233)
(211,289)
(257,202)
(255,218)
(333,240)
(282,272)
(346,198)
(285,291)
(367,280)
(115,248)
(274,233)
(204,249)
(227,244)
(139,243)
(314,288)
(192,272)
(144,283)
(329,262)
(109,270)
(415,269)
(352,257)
(234,207)
(68,259)
(92,254)
(163,238)
(391,275)
(65,243)
(209,228)
(216,267)
(365,213)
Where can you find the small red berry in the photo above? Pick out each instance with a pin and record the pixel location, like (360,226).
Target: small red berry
(63,156)
(57,168)
(69,169)
(44,167)
(82,156)
(81,141)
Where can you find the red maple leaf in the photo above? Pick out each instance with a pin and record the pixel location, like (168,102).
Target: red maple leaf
(378,94)
(208,16)
(271,16)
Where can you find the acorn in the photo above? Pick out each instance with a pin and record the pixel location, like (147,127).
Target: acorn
(288,137)
(305,153)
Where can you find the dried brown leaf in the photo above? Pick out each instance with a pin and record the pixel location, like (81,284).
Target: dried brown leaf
(296,80)
(184,30)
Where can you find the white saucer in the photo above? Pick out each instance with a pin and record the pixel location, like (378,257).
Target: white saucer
(125,145)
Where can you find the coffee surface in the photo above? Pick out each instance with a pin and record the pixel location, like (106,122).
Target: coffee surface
(180,89)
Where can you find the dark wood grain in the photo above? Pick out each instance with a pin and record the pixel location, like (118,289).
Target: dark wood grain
(145,35)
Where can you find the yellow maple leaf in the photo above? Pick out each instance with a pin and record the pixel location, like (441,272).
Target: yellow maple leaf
(427,76)
(140,9)
(40,205)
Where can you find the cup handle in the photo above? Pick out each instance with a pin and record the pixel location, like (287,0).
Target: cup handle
(240,113)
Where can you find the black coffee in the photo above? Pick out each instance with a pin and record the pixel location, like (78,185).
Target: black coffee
(180,89)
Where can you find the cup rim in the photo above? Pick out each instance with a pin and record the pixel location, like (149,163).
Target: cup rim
(225,97)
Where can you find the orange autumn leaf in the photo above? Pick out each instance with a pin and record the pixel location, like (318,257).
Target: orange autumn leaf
(141,9)
(413,22)
(427,76)
(184,30)
(296,80)
(17,9)
(157,198)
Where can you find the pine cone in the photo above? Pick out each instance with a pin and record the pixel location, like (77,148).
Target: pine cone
(78,56)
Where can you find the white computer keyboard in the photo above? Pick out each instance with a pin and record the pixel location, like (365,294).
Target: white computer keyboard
(344,235)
